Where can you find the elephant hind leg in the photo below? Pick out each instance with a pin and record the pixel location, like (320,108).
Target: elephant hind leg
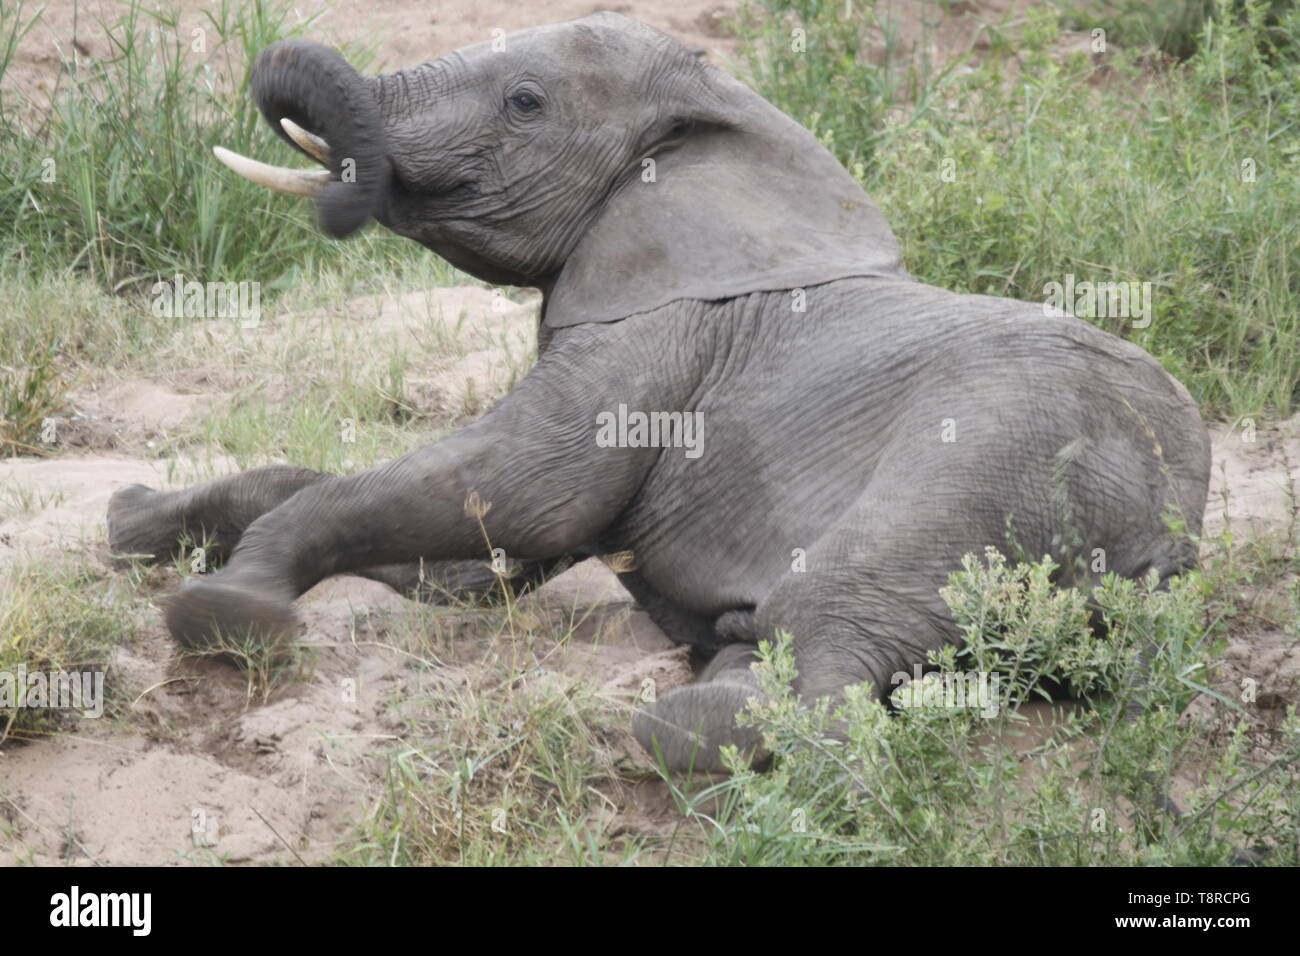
(440,582)
(864,609)
(153,524)
(688,726)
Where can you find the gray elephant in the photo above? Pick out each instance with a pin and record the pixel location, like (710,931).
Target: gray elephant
(736,379)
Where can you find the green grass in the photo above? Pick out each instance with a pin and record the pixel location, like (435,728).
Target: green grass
(505,761)
(61,617)
(1184,175)
(51,328)
(118,180)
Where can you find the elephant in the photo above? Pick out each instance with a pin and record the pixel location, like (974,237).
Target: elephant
(736,381)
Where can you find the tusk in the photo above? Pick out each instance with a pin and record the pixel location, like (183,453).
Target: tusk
(310,143)
(296,182)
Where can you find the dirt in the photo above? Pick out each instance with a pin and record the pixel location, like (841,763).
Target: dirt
(188,768)
(1254,494)
(1249,487)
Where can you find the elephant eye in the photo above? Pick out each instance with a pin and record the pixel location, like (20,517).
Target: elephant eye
(524,101)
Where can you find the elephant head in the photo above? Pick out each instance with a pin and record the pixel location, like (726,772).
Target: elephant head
(595,159)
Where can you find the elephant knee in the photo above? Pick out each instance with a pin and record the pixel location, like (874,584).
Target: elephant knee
(731,663)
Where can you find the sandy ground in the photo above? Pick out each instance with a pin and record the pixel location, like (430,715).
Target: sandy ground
(192,769)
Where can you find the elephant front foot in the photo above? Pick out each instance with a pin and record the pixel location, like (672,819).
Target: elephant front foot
(689,725)
(222,615)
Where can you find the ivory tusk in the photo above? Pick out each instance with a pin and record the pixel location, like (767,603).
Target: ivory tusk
(296,182)
(311,144)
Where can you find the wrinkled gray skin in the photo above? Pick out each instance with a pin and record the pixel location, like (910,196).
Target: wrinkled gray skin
(824,429)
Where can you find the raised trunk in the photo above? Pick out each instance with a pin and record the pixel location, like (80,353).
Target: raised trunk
(316,88)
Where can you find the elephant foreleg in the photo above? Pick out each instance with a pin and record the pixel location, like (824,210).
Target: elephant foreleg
(153,525)
(509,481)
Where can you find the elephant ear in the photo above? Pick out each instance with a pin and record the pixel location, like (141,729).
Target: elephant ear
(744,200)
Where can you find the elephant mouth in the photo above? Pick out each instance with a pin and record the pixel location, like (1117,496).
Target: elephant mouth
(311,183)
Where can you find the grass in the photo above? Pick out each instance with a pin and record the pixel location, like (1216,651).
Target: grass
(512,778)
(54,617)
(1024,167)
(51,327)
(506,761)
(118,179)
(266,667)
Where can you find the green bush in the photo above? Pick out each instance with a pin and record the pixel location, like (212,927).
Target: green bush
(937,784)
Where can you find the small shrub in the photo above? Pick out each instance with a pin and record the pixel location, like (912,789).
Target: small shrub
(952,785)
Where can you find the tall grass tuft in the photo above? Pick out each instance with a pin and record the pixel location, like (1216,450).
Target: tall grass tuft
(116,177)
(54,618)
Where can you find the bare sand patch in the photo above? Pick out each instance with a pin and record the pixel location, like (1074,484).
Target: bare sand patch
(192,767)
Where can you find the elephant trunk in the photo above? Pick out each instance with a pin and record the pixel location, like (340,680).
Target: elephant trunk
(313,87)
